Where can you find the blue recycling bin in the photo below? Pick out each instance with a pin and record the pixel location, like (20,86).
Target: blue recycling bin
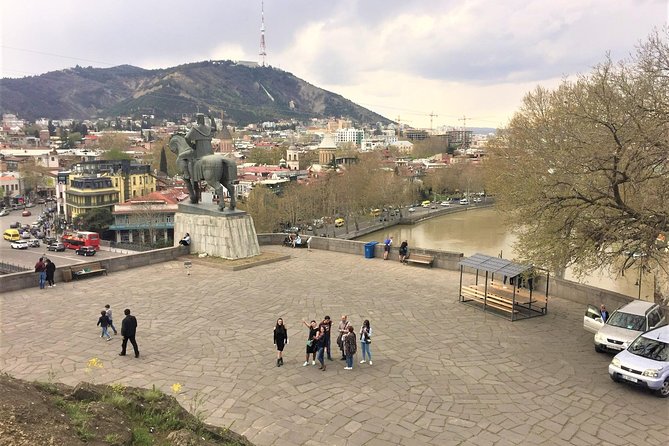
(369,249)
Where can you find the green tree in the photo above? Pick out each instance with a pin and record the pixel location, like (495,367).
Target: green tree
(583,170)
(34,176)
(163,161)
(95,220)
(115,154)
(265,155)
(113,141)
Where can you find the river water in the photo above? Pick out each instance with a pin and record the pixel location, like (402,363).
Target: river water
(482,231)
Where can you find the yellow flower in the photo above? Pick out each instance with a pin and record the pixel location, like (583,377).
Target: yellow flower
(176,388)
(94,363)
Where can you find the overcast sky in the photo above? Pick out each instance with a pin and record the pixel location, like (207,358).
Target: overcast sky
(406,59)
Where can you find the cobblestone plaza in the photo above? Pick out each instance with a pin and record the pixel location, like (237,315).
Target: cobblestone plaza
(444,373)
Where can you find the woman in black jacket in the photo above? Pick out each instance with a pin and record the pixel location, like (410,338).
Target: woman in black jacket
(280,340)
(50,271)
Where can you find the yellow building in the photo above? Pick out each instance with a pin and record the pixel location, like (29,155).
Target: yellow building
(86,193)
(97,184)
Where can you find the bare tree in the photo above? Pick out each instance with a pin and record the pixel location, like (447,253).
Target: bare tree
(583,170)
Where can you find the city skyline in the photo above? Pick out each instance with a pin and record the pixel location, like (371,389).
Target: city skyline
(451,59)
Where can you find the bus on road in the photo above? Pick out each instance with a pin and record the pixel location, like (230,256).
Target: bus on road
(76,240)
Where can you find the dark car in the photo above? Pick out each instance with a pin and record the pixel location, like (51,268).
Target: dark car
(15,225)
(50,240)
(57,246)
(86,251)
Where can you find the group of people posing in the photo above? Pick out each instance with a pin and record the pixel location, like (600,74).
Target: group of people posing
(318,343)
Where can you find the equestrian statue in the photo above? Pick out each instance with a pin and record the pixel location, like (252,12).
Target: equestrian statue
(198,162)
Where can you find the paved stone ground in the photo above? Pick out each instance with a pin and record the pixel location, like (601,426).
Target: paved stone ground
(444,373)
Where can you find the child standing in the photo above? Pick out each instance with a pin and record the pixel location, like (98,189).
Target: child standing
(103,322)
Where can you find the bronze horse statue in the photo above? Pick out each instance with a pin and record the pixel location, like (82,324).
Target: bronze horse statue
(217,171)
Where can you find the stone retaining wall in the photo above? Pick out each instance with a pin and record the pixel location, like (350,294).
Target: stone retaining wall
(29,279)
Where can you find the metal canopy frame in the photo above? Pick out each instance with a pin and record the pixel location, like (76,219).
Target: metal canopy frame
(497,265)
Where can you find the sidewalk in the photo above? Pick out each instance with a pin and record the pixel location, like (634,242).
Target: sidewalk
(444,373)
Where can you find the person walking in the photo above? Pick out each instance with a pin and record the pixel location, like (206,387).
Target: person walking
(128,331)
(311,345)
(103,322)
(365,340)
(386,247)
(40,268)
(327,323)
(350,348)
(280,340)
(319,339)
(108,310)
(50,270)
(343,330)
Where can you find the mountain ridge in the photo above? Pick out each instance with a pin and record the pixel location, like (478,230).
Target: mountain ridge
(245,94)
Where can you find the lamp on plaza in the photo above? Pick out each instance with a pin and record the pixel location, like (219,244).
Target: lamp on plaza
(187,266)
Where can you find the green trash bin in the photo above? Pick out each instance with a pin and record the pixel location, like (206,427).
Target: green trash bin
(369,249)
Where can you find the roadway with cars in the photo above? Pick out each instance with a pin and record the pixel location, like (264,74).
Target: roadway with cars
(28,257)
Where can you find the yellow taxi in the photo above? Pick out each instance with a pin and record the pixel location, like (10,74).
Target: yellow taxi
(376,212)
(426,204)
(339,222)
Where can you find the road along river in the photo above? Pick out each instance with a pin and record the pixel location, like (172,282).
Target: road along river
(482,230)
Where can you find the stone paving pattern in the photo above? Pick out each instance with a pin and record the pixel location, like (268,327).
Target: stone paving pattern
(444,373)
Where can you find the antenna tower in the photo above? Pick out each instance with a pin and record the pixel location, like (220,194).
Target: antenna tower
(263,49)
(432,116)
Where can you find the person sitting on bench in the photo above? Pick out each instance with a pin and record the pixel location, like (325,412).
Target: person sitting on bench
(297,241)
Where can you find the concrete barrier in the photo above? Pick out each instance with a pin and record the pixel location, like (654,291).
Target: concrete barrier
(29,279)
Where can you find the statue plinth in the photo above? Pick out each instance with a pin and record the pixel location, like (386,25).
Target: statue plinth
(227,234)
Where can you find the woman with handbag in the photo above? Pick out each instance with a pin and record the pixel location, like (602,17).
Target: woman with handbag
(311,344)
(365,340)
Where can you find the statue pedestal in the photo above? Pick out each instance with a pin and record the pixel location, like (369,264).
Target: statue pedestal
(227,234)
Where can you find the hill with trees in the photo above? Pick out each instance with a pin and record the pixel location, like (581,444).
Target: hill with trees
(245,94)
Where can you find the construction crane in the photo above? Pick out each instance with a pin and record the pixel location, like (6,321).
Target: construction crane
(432,116)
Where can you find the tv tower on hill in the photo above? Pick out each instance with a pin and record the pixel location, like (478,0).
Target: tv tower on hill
(263,50)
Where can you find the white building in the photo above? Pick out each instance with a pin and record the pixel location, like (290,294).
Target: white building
(347,135)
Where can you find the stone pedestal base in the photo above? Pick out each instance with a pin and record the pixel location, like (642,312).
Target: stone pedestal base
(228,234)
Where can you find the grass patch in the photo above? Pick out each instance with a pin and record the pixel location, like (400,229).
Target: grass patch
(78,414)
(153,394)
(47,387)
(113,439)
(141,436)
(117,400)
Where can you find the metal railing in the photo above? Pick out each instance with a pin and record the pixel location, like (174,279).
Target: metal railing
(8,268)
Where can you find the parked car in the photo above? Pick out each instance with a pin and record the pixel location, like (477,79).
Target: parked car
(412,209)
(645,362)
(26,213)
(623,325)
(33,243)
(445,203)
(85,251)
(26,234)
(4,212)
(41,201)
(20,244)
(477,199)
(15,225)
(339,222)
(464,201)
(425,204)
(56,246)
(50,240)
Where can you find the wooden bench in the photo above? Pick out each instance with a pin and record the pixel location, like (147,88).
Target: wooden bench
(87,269)
(490,300)
(421,259)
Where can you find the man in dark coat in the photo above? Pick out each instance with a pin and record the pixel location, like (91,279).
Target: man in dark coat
(128,330)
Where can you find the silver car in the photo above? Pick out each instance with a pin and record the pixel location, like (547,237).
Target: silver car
(645,363)
(623,326)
